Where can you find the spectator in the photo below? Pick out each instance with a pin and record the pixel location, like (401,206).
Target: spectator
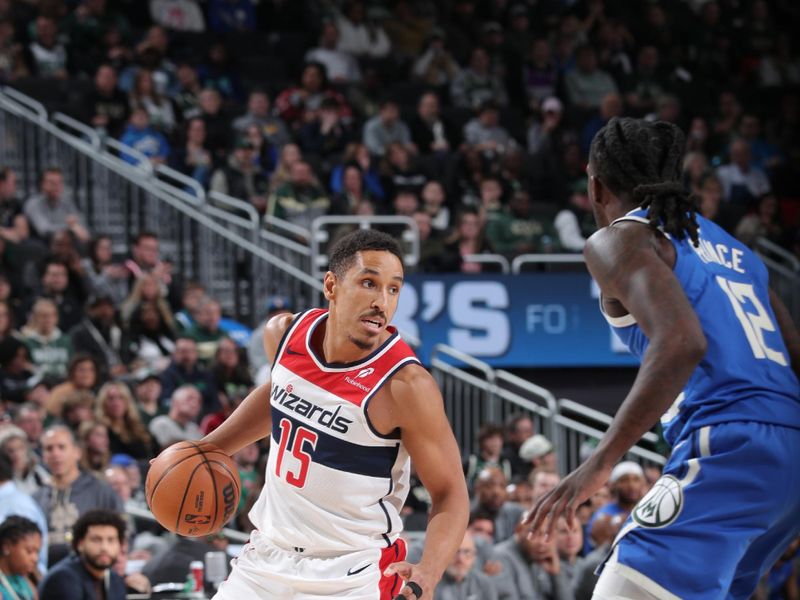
(159,108)
(99,336)
(206,331)
(147,389)
(146,259)
(533,565)
(97,537)
(191,295)
(406,28)
(259,114)
(430,132)
(765,222)
(400,173)
(742,182)
(81,377)
(179,423)
(352,195)
(361,37)
(476,84)
(709,194)
(326,135)
(232,16)
(728,114)
(431,243)
(695,164)
(72,492)
(117,410)
(485,134)
(218,125)
(587,85)
(627,487)
(184,370)
(539,452)
(520,229)
(461,579)
(152,335)
(230,372)
(105,277)
(518,429)
(645,86)
(434,203)
(30,418)
(193,157)
(14,502)
(13,64)
(765,154)
(6,322)
(491,498)
(106,107)
(178,15)
(575,223)
(13,224)
(17,374)
(610,107)
(49,347)
(386,128)
(257,356)
(542,480)
(187,94)
(28,473)
(490,446)
(543,136)
(140,136)
(340,66)
(218,73)
(469,238)
(48,54)
(94,444)
(241,177)
(265,155)
(300,200)
(356,152)
(145,289)
(51,210)
(298,105)
(435,65)
(539,74)
(21,543)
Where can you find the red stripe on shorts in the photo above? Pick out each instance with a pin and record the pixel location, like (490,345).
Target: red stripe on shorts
(390,586)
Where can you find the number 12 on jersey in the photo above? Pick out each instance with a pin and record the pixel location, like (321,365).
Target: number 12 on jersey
(300,441)
(753,324)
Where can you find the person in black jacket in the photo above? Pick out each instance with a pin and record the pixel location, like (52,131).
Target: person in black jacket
(87,575)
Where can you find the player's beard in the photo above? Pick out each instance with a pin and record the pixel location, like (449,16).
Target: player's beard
(362,344)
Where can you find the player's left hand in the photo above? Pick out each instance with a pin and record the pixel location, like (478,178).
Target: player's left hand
(567,496)
(409,572)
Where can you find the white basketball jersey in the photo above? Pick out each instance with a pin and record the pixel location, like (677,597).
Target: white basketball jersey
(333,483)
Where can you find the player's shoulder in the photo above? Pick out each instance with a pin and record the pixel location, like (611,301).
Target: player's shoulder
(412,386)
(623,239)
(279,324)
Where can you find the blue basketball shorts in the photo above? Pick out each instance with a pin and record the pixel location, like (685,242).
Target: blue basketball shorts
(725,509)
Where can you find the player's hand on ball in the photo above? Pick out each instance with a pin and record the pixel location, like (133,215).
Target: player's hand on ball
(418,584)
(570,493)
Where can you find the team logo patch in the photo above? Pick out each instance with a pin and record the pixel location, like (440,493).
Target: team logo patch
(661,505)
(365,373)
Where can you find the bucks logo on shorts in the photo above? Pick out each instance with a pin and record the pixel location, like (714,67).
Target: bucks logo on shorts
(661,505)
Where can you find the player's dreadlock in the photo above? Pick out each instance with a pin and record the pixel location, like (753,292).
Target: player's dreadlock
(641,160)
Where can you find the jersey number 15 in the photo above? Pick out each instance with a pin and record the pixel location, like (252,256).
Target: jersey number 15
(301,437)
(753,324)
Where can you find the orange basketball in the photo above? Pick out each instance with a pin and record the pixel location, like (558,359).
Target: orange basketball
(193,488)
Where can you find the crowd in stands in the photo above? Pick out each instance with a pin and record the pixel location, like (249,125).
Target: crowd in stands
(472,117)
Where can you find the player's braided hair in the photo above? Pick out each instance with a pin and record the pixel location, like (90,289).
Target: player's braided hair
(642,161)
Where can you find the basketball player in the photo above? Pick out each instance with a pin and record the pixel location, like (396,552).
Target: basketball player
(719,359)
(348,404)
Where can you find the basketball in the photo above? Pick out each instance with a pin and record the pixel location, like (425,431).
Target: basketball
(192,488)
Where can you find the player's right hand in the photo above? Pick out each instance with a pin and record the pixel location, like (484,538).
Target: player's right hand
(409,572)
(566,497)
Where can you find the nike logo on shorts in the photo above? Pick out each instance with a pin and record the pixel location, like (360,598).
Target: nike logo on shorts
(290,351)
(357,571)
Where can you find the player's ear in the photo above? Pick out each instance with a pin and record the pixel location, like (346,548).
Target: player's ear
(597,191)
(329,285)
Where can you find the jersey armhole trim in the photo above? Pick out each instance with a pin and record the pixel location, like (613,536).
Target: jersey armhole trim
(394,435)
(298,318)
(618,322)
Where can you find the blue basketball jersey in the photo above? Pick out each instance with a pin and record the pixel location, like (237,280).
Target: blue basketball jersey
(746,373)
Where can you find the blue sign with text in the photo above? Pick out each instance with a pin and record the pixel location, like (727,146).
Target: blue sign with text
(526,320)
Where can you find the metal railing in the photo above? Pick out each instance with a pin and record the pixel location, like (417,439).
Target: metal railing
(474,393)
(523,260)
(784,273)
(496,260)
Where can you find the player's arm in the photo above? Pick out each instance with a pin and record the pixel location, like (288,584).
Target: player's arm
(251,421)
(625,262)
(425,430)
(788,330)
